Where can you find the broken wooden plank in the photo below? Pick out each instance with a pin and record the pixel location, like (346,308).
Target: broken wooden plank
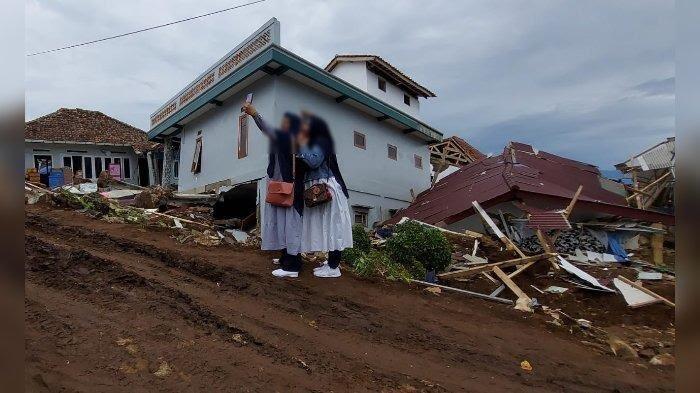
(489,221)
(657,245)
(510,284)
(485,268)
(470,293)
(647,291)
(547,248)
(570,207)
(467,234)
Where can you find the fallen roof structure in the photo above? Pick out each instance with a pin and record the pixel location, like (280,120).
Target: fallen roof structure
(522,173)
(653,176)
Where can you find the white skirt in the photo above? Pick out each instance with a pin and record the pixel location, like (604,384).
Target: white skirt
(281,228)
(327,227)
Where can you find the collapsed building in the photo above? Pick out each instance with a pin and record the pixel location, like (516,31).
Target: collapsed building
(524,182)
(653,176)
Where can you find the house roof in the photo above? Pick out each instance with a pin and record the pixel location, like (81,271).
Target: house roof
(468,149)
(660,156)
(275,60)
(85,126)
(519,171)
(384,69)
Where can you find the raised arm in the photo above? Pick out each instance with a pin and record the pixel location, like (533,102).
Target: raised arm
(259,121)
(313,156)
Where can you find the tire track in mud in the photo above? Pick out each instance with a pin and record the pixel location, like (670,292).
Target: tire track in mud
(184,304)
(81,271)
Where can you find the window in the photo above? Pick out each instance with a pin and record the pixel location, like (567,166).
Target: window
(67,162)
(197,157)
(392,152)
(360,140)
(42,161)
(381,84)
(78,166)
(418,161)
(176,169)
(127,168)
(360,215)
(98,166)
(88,167)
(117,160)
(243,136)
(407,99)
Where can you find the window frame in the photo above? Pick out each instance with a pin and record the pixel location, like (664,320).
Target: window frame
(362,212)
(197,156)
(364,140)
(406,99)
(381,83)
(243,136)
(388,152)
(36,164)
(126,174)
(417,161)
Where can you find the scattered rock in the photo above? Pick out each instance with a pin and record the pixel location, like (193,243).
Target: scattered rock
(664,359)
(164,370)
(621,348)
(433,290)
(525,365)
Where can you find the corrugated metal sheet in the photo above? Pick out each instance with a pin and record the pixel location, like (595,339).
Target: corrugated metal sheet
(548,220)
(660,156)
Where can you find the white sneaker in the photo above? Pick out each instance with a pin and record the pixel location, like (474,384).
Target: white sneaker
(283,273)
(326,272)
(323,265)
(275,261)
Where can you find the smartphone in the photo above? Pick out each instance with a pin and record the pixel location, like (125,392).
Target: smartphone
(248,99)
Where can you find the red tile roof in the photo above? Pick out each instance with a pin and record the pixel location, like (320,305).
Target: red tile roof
(80,125)
(519,170)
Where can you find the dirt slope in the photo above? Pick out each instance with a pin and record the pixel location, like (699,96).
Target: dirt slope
(114,307)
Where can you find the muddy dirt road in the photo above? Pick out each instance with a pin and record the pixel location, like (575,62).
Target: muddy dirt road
(114,307)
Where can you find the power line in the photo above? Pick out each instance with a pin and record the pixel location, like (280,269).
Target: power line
(145,29)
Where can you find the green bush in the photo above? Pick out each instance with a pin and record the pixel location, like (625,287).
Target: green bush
(419,248)
(378,264)
(361,245)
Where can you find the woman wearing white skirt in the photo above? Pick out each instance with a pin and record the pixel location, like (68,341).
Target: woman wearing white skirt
(326,227)
(281,228)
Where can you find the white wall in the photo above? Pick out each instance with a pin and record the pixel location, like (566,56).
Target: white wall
(219,127)
(392,96)
(354,73)
(357,74)
(375,179)
(59,150)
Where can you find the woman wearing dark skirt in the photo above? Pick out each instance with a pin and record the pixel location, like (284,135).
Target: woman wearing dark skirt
(281,226)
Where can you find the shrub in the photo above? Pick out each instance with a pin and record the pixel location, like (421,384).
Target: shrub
(378,264)
(361,245)
(419,248)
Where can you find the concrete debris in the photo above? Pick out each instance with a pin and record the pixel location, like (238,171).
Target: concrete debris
(664,359)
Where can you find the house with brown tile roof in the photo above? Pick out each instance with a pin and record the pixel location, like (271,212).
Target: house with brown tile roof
(89,142)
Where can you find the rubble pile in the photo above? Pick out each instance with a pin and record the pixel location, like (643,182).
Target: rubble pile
(153,197)
(566,243)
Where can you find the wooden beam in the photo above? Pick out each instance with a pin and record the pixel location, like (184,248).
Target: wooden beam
(510,284)
(657,245)
(547,248)
(484,268)
(508,243)
(475,294)
(569,208)
(647,291)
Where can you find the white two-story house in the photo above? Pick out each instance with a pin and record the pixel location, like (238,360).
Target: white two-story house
(371,107)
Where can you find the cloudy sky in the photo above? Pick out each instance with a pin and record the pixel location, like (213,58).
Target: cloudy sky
(590,80)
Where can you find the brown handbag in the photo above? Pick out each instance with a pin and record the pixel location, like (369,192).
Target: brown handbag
(317,194)
(281,193)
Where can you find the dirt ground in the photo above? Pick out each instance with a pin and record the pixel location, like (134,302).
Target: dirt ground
(116,307)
